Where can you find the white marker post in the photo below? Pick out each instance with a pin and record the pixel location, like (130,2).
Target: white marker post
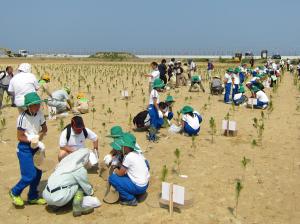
(172,195)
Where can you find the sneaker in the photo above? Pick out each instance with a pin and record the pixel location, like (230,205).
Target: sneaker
(133,202)
(38,201)
(228,102)
(16,200)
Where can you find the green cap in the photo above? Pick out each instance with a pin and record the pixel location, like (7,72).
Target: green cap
(186,109)
(195,78)
(117,144)
(230,70)
(255,89)
(158,83)
(31,99)
(237,70)
(116,132)
(170,99)
(129,140)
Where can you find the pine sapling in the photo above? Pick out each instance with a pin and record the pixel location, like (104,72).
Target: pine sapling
(177,160)
(238,189)
(213,129)
(164,173)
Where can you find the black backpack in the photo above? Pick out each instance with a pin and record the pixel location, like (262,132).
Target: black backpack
(139,119)
(68,127)
(4,75)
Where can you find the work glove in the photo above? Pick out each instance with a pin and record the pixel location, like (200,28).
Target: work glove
(107,159)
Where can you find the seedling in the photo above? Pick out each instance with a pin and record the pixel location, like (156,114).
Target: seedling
(93,118)
(270,108)
(61,124)
(109,111)
(164,173)
(245,161)
(194,143)
(238,189)
(129,120)
(213,129)
(88,88)
(3,125)
(253,143)
(259,126)
(177,160)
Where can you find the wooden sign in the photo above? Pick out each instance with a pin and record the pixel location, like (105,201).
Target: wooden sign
(229,127)
(173,194)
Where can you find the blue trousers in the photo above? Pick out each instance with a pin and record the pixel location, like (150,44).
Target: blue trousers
(227,92)
(260,104)
(126,188)
(155,121)
(235,90)
(189,130)
(30,175)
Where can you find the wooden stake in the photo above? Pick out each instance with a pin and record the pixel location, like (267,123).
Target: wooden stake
(171,199)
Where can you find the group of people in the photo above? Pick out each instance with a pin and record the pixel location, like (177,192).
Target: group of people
(130,176)
(69,181)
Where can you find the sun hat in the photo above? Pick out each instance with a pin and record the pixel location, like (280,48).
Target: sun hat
(116,144)
(116,132)
(186,109)
(31,99)
(67,89)
(24,67)
(129,140)
(46,77)
(169,99)
(80,95)
(158,83)
(255,89)
(230,70)
(237,70)
(241,88)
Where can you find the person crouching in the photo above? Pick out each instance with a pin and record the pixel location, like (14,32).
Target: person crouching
(70,181)
(132,178)
(191,121)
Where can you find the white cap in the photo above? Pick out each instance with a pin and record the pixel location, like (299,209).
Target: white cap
(24,67)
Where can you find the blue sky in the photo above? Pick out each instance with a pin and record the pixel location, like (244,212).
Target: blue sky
(156,26)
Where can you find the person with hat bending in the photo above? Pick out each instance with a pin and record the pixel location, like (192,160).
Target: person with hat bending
(131,179)
(31,128)
(73,137)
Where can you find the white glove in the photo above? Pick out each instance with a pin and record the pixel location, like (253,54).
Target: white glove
(114,162)
(107,159)
(41,145)
(34,140)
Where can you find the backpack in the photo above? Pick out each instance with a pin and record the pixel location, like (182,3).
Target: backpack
(68,127)
(139,119)
(4,74)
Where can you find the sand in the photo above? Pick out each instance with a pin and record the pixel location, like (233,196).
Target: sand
(270,181)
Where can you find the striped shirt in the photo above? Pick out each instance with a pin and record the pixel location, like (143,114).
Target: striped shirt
(31,124)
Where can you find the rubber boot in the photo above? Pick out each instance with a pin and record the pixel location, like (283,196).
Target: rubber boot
(78,210)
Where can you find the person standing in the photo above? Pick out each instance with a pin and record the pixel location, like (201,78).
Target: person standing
(153,75)
(31,128)
(162,68)
(228,84)
(288,64)
(22,83)
(235,81)
(252,62)
(192,68)
(210,69)
(5,77)
(298,69)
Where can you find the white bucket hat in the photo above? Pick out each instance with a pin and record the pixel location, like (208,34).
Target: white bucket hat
(24,67)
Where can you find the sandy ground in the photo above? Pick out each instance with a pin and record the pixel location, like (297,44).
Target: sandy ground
(270,193)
